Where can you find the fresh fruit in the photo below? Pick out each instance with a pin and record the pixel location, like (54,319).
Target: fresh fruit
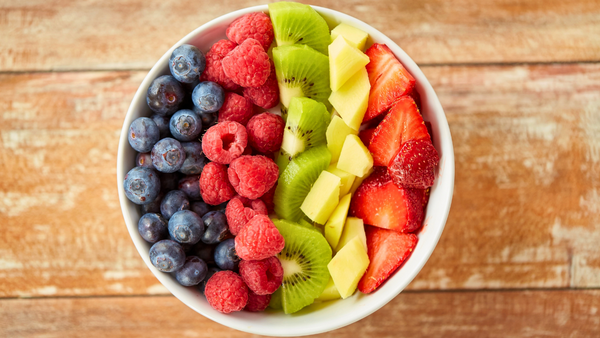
(259,239)
(192,272)
(174,201)
(164,95)
(214,68)
(336,135)
(208,96)
(167,255)
(296,181)
(169,181)
(186,227)
(345,60)
(354,227)
(200,208)
(252,176)
(185,125)
(268,198)
(257,303)
(214,184)
(262,277)
(226,292)
(190,185)
(358,181)
(351,100)
(143,134)
(366,135)
(300,72)
(387,251)
(240,210)
(322,198)
(162,122)
(209,274)
(330,292)
(304,260)
(168,155)
(379,202)
(153,206)
(141,185)
(224,142)
(335,223)
(389,80)
(247,64)
(296,23)
(206,252)
(225,255)
(354,36)
(255,25)
(236,108)
(267,95)
(153,227)
(401,124)
(276,300)
(187,63)
(216,227)
(265,132)
(414,165)
(355,158)
(194,158)
(346,179)
(348,266)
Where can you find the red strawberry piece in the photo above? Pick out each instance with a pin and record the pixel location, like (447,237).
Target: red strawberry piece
(414,165)
(267,95)
(389,80)
(366,135)
(426,194)
(248,65)
(379,202)
(401,124)
(387,250)
(240,210)
(255,25)
(214,69)
(429,130)
(415,95)
(236,108)
(259,239)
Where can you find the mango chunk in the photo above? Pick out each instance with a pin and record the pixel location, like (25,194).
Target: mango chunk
(355,158)
(330,292)
(335,223)
(348,266)
(322,198)
(354,227)
(344,61)
(353,35)
(352,99)
(336,135)
(347,179)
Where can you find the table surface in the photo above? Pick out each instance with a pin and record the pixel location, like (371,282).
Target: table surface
(520,85)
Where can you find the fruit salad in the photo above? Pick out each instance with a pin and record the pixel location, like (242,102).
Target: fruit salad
(284,166)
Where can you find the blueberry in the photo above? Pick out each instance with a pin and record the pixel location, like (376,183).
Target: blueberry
(187,63)
(186,227)
(194,158)
(169,181)
(208,96)
(210,273)
(205,251)
(185,125)
(208,119)
(174,201)
(144,160)
(200,208)
(190,185)
(141,185)
(216,227)
(162,122)
(153,227)
(164,95)
(220,207)
(167,255)
(153,206)
(192,272)
(143,134)
(187,247)
(168,155)
(225,255)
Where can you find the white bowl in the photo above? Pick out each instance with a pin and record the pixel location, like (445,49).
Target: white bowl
(326,316)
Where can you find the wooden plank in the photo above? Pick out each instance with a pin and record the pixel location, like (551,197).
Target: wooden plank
(525,210)
(133,34)
(422,314)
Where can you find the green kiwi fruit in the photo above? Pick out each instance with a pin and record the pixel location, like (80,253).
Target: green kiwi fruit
(295,23)
(308,223)
(297,179)
(304,260)
(275,302)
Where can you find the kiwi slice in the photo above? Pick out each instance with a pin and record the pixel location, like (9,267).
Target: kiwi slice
(295,23)
(304,260)
(301,72)
(275,302)
(297,179)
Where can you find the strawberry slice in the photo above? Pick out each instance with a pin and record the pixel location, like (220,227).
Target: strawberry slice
(389,80)
(401,124)
(379,202)
(414,165)
(387,250)
(366,135)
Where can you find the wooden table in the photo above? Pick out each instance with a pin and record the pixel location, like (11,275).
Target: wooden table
(519,81)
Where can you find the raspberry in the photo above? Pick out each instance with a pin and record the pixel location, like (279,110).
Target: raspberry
(236,108)
(268,199)
(265,132)
(248,64)
(226,292)
(224,142)
(240,210)
(259,239)
(267,95)
(252,176)
(252,25)
(214,186)
(257,303)
(214,69)
(262,277)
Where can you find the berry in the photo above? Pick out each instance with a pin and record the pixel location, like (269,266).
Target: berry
(154,206)
(208,96)
(224,142)
(240,210)
(185,125)
(153,227)
(226,292)
(216,227)
(167,255)
(162,122)
(143,134)
(187,63)
(387,250)
(262,277)
(253,176)
(257,303)
(187,247)
(267,95)
(214,68)
(141,185)
(144,160)
(414,165)
(169,181)
(214,185)
(174,201)
(208,119)
(190,185)
(259,239)
(366,135)
(186,227)
(204,251)
(225,256)
(265,132)
(192,272)
(236,108)
(248,65)
(164,95)
(168,155)
(194,158)
(200,207)
(209,274)
(221,207)
(252,25)
(268,199)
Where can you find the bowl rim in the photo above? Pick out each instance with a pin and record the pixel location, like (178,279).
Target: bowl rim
(447,164)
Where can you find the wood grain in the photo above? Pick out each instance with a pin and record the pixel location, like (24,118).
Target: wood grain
(422,314)
(133,34)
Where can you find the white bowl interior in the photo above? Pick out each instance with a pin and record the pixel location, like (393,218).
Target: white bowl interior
(326,316)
